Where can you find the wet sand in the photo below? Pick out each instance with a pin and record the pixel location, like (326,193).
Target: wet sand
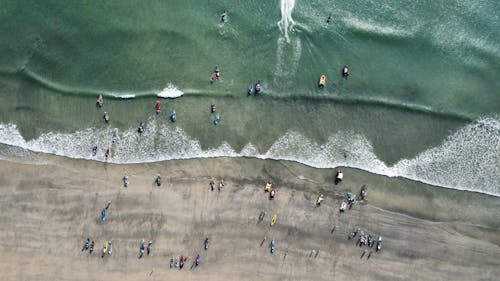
(48,210)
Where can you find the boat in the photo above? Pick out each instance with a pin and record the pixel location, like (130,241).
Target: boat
(322,81)
(173,116)
(215,75)
(217,118)
(250,89)
(158,107)
(108,153)
(213,78)
(273,219)
(104,214)
(269,186)
(379,243)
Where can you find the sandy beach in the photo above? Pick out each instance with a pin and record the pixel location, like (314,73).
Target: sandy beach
(48,210)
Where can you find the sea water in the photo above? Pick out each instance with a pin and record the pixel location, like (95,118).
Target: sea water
(422,100)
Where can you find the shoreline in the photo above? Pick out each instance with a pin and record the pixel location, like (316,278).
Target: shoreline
(49,209)
(291,179)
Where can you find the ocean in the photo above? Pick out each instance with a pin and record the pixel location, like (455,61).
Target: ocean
(422,99)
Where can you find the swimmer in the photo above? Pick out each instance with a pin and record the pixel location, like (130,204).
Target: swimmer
(223,16)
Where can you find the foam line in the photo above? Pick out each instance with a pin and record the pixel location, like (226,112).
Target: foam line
(468,159)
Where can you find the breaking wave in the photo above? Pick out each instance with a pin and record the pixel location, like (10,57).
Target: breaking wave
(469,159)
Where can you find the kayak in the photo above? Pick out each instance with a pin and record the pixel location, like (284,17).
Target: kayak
(273,219)
(268,187)
(250,89)
(173,116)
(217,118)
(213,78)
(158,107)
(104,214)
(322,81)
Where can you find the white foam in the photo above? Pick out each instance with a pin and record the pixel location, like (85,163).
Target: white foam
(468,159)
(170,92)
(286,23)
(127,96)
(375,28)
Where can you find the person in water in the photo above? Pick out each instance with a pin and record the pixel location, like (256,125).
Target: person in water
(258,87)
(345,71)
(223,16)
(217,72)
(329,19)
(100,101)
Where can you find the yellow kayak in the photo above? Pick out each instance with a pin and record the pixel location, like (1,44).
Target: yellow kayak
(105,248)
(273,220)
(269,186)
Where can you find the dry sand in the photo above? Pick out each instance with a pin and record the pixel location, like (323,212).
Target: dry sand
(48,210)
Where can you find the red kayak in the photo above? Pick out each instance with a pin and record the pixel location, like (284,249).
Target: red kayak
(214,78)
(108,153)
(158,107)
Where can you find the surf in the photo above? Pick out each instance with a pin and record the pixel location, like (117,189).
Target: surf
(467,159)
(288,51)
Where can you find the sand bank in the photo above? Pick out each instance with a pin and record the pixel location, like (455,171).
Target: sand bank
(48,210)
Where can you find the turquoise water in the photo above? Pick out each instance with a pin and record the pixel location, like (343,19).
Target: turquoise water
(422,100)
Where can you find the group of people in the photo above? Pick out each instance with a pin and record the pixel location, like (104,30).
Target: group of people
(219,186)
(107,247)
(149,248)
(366,240)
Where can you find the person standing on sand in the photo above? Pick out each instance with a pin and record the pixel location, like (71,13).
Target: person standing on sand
(141,248)
(212,184)
(150,247)
(110,248)
(339,177)
(221,185)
